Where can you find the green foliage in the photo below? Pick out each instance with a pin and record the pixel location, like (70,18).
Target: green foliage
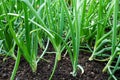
(68,25)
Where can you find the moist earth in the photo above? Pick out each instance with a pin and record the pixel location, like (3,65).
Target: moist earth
(92,69)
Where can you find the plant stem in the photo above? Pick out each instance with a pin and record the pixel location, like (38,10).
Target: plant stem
(16,65)
(114,36)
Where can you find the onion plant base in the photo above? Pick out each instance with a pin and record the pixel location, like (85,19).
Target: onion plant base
(74,73)
(91,57)
(34,67)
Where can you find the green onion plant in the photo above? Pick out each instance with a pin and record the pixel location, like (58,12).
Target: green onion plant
(75,26)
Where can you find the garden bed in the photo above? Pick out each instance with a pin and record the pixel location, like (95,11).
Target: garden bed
(64,67)
(88,27)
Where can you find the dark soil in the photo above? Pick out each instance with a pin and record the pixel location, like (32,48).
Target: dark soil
(93,69)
